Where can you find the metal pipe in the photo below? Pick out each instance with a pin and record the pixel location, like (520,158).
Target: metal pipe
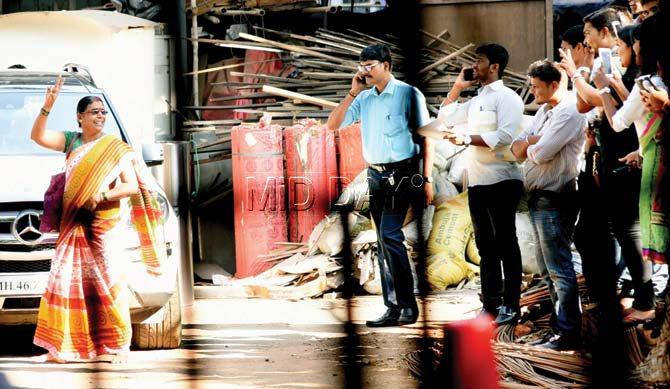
(182,57)
(239,12)
(324,9)
(194,35)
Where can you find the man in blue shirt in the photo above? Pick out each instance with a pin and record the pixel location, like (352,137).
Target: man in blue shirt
(390,112)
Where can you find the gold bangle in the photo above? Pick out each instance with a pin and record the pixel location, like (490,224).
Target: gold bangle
(44,112)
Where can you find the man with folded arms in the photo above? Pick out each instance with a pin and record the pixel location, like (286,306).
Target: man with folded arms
(551,147)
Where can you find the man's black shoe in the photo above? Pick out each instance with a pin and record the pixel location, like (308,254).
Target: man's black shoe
(562,343)
(506,315)
(388,319)
(544,339)
(408,316)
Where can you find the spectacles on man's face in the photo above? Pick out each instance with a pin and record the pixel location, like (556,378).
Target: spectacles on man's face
(97,111)
(367,68)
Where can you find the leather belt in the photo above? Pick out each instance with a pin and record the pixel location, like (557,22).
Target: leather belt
(384,167)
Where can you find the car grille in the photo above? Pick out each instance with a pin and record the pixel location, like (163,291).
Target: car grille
(21,303)
(26,249)
(25,266)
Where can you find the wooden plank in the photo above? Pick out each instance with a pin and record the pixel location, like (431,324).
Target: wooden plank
(447,58)
(225,107)
(444,34)
(312,39)
(233,66)
(294,48)
(268,77)
(210,122)
(215,142)
(299,96)
(241,97)
(326,76)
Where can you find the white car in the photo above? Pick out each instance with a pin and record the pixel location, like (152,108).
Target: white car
(25,253)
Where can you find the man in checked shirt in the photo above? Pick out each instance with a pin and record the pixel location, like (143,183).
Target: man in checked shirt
(552,147)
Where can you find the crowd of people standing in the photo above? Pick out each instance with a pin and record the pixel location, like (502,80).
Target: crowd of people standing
(593,164)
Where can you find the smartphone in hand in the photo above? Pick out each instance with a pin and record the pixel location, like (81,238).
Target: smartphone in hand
(605,55)
(469,74)
(640,84)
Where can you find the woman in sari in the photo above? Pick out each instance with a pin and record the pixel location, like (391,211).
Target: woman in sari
(84,313)
(633,111)
(655,144)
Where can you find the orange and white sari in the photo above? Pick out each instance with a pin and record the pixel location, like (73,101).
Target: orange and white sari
(84,312)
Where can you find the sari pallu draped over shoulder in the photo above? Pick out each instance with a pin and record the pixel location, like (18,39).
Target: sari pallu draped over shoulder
(655,190)
(84,312)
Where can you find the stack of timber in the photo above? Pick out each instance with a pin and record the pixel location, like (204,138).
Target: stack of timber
(317,74)
(218,8)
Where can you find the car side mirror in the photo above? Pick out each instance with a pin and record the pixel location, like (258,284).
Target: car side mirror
(152,153)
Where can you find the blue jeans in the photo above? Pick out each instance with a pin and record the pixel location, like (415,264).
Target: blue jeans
(553,218)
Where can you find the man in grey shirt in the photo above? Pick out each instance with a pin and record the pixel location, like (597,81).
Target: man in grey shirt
(552,147)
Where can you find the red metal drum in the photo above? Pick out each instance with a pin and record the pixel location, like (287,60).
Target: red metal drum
(470,363)
(311,170)
(350,148)
(259,195)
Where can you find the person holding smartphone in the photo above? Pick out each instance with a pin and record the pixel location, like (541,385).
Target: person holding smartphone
(608,196)
(390,112)
(648,45)
(495,186)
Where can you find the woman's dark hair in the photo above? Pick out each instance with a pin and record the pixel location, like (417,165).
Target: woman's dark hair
(574,35)
(545,70)
(627,36)
(85,102)
(602,18)
(378,52)
(651,34)
(495,54)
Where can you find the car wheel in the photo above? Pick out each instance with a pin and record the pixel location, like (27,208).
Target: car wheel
(165,334)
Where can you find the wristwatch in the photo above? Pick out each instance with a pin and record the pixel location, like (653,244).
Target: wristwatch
(467,140)
(428,179)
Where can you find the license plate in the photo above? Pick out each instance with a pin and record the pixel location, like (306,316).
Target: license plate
(17,285)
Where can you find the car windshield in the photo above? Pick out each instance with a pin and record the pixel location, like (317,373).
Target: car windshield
(18,110)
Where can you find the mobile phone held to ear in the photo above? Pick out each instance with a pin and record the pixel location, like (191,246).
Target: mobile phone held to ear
(605,55)
(362,80)
(469,74)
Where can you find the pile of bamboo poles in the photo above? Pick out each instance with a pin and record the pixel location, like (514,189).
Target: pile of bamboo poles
(218,8)
(323,65)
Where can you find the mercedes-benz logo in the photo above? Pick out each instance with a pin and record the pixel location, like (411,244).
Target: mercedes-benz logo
(25,227)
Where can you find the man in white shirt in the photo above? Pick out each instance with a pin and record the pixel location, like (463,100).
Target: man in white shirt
(551,148)
(493,118)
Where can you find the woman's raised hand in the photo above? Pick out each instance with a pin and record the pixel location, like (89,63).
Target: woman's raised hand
(52,94)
